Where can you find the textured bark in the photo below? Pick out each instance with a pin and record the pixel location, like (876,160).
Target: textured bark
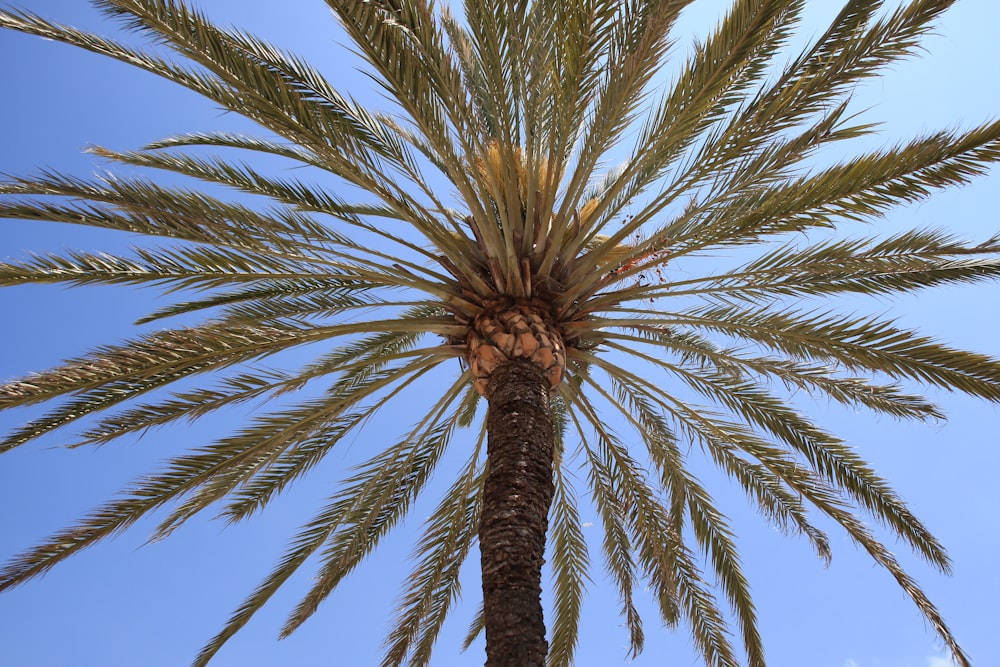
(517,495)
(509,331)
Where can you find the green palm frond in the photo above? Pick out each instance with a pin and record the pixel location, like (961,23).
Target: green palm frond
(776,502)
(569,555)
(111,375)
(435,584)
(857,344)
(672,571)
(352,254)
(709,527)
(254,494)
(181,268)
(371,501)
(732,59)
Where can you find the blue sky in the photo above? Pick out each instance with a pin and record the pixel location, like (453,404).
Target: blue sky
(125,603)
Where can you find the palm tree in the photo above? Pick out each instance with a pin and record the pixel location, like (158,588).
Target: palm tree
(486,246)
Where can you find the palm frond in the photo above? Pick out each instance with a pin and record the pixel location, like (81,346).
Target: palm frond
(830,458)
(862,343)
(373,500)
(708,525)
(711,81)
(145,208)
(394,37)
(434,584)
(682,293)
(253,493)
(570,562)
(776,502)
(113,374)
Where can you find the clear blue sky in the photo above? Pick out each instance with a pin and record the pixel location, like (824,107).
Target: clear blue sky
(123,604)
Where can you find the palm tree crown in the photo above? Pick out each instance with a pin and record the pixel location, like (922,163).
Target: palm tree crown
(487,246)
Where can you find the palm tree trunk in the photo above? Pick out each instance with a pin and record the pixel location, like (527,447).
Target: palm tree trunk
(517,495)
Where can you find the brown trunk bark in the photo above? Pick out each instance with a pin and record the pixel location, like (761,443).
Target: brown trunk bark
(517,495)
